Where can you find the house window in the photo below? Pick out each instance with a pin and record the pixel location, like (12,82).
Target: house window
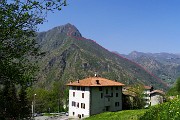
(112,94)
(82,95)
(78,105)
(116,88)
(106,91)
(100,88)
(73,103)
(116,104)
(83,88)
(78,88)
(73,94)
(116,94)
(74,87)
(101,95)
(83,105)
(82,115)
(73,113)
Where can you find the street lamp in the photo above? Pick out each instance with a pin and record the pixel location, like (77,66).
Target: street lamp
(33,106)
(34,102)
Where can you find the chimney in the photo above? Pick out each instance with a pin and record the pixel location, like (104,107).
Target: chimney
(78,81)
(97,82)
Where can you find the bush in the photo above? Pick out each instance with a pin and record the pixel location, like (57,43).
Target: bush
(165,111)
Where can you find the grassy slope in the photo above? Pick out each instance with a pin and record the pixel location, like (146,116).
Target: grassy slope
(121,115)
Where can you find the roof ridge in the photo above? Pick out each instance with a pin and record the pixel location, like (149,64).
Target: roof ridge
(91,81)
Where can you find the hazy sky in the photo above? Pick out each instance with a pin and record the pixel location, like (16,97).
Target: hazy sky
(124,25)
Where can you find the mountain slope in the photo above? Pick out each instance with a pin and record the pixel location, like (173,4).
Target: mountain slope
(69,57)
(164,65)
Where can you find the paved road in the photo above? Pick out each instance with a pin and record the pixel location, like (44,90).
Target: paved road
(51,118)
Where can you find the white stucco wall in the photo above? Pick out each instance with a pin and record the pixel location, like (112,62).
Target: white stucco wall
(78,99)
(98,104)
(147,97)
(94,104)
(156,99)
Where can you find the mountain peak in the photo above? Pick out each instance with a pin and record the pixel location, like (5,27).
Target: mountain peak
(68,29)
(69,25)
(135,54)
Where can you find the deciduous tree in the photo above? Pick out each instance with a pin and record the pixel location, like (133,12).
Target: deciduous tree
(18,27)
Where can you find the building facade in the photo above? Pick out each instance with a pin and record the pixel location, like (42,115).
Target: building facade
(157,97)
(151,97)
(94,95)
(147,95)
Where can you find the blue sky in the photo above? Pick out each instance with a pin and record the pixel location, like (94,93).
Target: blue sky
(124,25)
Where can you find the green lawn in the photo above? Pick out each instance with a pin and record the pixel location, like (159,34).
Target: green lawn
(121,115)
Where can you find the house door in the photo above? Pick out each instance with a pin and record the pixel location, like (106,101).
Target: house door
(107,108)
(79,116)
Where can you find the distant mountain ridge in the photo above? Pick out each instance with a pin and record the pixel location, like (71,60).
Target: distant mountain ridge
(69,57)
(164,65)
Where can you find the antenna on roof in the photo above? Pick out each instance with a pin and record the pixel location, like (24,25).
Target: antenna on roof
(95,75)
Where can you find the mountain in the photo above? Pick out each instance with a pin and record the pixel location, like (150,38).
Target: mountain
(70,57)
(164,65)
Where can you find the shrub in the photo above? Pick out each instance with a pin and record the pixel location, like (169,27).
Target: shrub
(165,111)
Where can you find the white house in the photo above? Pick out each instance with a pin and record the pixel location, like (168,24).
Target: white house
(157,97)
(153,97)
(94,95)
(147,95)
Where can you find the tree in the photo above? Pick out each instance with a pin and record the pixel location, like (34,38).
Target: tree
(136,97)
(139,98)
(24,106)
(177,86)
(174,90)
(10,101)
(55,98)
(18,48)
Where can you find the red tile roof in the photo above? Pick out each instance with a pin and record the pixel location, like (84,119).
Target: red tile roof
(147,87)
(95,81)
(157,91)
